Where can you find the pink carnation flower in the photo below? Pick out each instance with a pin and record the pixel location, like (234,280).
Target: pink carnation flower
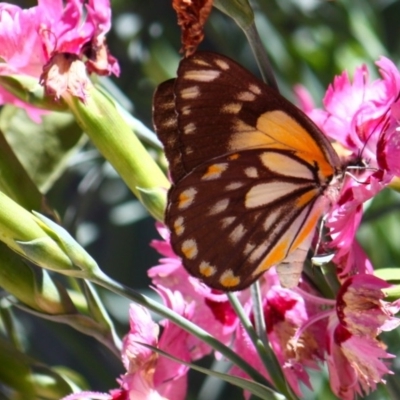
(150,376)
(50,41)
(363,117)
(356,358)
(285,312)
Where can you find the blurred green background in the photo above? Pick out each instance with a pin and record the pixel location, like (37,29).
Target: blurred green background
(309,42)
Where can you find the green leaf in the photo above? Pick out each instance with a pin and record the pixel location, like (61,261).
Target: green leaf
(32,286)
(28,379)
(15,181)
(43,149)
(239,10)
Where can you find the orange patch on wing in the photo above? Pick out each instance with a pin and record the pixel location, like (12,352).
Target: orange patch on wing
(275,256)
(306,198)
(282,130)
(206,269)
(228,279)
(186,198)
(234,156)
(189,249)
(214,171)
(178,226)
(306,230)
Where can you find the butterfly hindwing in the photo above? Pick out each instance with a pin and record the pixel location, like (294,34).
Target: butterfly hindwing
(249,171)
(230,221)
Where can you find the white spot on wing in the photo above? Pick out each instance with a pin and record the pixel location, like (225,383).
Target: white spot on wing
(179,226)
(231,108)
(186,110)
(189,249)
(202,75)
(207,269)
(246,96)
(285,165)
(228,279)
(270,220)
(259,251)
(169,123)
(222,64)
(234,186)
(190,92)
(251,172)
(254,88)
(189,128)
(219,207)
(265,193)
(248,249)
(201,62)
(186,198)
(227,221)
(237,233)
(167,105)
(214,171)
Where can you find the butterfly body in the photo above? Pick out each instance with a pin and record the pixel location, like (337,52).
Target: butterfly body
(251,173)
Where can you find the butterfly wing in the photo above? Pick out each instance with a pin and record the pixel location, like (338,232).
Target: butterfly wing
(249,171)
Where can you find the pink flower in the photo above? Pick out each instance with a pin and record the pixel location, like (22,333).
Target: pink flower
(356,113)
(49,41)
(389,145)
(150,376)
(344,220)
(354,354)
(360,306)
(354,363)
(363,117)
(304,330)
(212,311)
(285,312)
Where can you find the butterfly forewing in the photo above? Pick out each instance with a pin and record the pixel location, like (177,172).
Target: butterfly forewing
(249,171)
(222,108)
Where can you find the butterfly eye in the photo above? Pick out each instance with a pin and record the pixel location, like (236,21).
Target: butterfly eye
(250,173)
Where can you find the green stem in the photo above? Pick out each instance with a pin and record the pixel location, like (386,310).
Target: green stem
(267,356)
(115,140)
(261,56)
(108,283)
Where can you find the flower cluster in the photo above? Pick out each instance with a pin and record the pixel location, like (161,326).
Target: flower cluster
(304,329)
(362,117)
(54,42)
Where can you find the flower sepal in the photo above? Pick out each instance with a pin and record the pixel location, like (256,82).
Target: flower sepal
(99,117)
(42,241)
(29,90)
(83,265)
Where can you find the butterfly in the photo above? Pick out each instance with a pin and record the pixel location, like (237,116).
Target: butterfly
(252,174)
